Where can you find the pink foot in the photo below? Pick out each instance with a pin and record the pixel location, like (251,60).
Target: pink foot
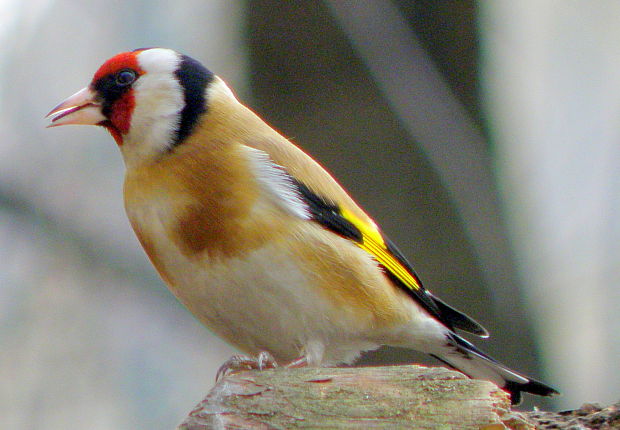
(238,363)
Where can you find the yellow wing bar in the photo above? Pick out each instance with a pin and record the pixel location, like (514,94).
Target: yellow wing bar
(374,244)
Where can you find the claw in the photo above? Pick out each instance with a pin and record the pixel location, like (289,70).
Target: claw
(238,363)
(266,361)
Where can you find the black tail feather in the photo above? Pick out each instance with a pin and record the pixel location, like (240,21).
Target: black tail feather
(468,359)
(459,320)
(532,386)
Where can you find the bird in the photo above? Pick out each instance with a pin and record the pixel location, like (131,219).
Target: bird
(254,237)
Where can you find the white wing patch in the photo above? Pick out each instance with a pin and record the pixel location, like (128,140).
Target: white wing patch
(277,183)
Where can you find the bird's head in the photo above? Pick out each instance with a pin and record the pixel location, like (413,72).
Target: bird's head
(148,99)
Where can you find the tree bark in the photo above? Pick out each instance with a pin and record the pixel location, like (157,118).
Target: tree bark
(394,397)
(588,416)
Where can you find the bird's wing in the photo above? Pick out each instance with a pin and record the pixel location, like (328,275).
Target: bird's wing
(333,209)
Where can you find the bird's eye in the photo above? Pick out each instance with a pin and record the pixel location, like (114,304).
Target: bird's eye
(125,77)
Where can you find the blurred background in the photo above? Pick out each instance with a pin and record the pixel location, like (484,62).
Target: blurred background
(482,135)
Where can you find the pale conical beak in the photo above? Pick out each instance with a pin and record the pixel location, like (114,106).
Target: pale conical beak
(81,108)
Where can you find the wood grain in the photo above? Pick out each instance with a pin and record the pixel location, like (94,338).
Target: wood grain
(394,397)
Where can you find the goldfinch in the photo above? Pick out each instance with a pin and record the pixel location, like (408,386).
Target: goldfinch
(253,236)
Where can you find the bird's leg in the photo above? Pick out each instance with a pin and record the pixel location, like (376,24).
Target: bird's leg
(237,363)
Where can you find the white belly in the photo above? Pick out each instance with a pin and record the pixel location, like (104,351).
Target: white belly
(261,301)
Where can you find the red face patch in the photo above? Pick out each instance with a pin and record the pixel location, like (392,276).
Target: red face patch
(121,112)
(114,88)
(125,60)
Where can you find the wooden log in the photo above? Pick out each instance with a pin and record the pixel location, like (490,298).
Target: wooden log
(388,397)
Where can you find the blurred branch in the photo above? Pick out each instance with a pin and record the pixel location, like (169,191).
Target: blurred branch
(455,147)
(437,121)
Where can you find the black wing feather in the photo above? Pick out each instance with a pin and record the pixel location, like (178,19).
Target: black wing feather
(330,216)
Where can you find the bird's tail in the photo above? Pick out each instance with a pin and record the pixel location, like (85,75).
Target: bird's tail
(465,357)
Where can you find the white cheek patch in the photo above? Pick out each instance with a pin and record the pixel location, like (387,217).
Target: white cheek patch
(158,92)
(159,101)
